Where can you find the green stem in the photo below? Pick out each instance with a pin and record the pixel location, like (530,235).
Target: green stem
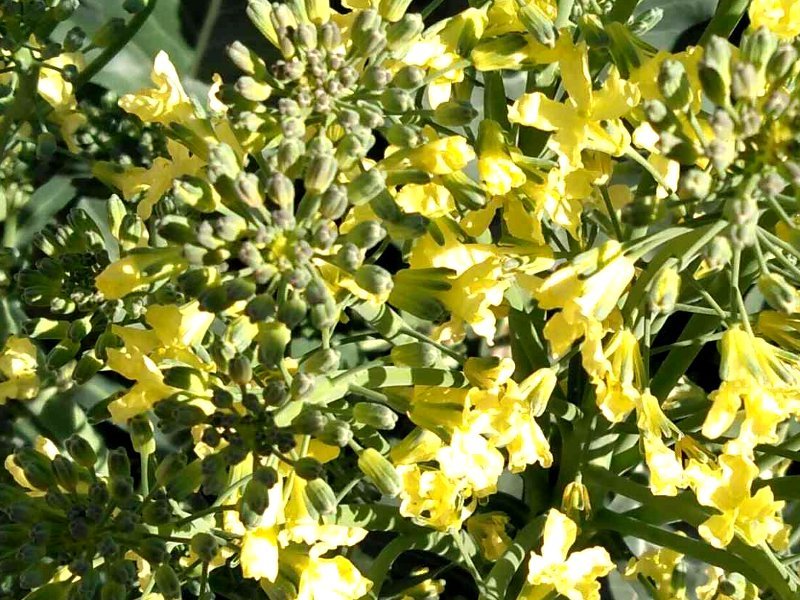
(205,35)
(110,51)
(144,462)
(564,12)
(725,19)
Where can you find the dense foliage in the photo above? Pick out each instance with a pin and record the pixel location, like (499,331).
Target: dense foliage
(489,301)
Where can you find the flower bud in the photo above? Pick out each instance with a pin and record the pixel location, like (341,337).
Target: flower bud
(674,85)
(141,431)
(255,501)
(222,162)
(280,190)
(537,23)
(695,183)
(243,57)
(205,546)
(65,472)
(454,114)
(393,10)
(309,422)
(62,353)
(320,173)
(319,497)
(374,415)
(272,341)
(465,191)
(323,360)
(88,366)
(664,290)
(167,582)
(308,468)
(367,234)
(646,21)
(374,279)
(778,293)
(36,468)
(252,90)
(575,500)
(714,70)
(415,354)
(757,47)
(291,312)
(261,308)
(246,187)
(240,370)
(81,451)
(336,433)
(185,481)
(400,34)
(744,82)
(365,187)
(379,471)
(782,62)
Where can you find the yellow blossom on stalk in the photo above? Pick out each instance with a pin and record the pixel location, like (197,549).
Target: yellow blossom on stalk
(440,156)
(618,376)
(58,92)
(726,586)
(489,532)
(18,363)
(589,119)
(137,270)
(429,199)
(759,376)
(174,331)
(470,457)
(432,499)
(555,569)
(659,567)
(587,290)
(782,17)
(154,181)
(438,50)
(331,579)
(167,102)
(496,167)
(645,76)
(727,487)
(42,445)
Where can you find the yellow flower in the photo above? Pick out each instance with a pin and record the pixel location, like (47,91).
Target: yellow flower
(781,328)
(167,102)
(726,586)
(331,579)
(441,156)
(727,487)
(589,119)
(489,532)
(496,168)
(52,86)
(573,575)
(503,16)
(782,17)
(646,76)
(259,553)
(432,499)
(430,200)
(154,181)
(138,270)
(18,362)
(586,290)
(667,475)
(42,445)
(471,458)
(758,375)
(659,567)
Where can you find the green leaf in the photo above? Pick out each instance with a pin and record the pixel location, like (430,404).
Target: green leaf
(528,347)
(130,69)
(50,591)
(42,207)
(504,569)
(672,33)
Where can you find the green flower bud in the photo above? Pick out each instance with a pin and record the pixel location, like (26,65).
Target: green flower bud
(397,101)
(336,433)
(415,354)
(367,234)
(454,114)
(718,252)
(185,481)
(374,279)
(779,294)
(81,451)
(237,290)
(247,189)
(380,472)
(153,550)
(215,299)
(374,415)
(782,62)
(324,315)
(65,472)
(757,47)
(369,43)
(365,187)
(240,370)
(321,361)
(134,6)
(674,85)
(714,70)
(119,466)
(244,58)
(309,422)
(465,191)
(744,82)
(319,497)
(261,308)
(537,23)
(255,502)
(320,173)
(62,353)
(36,467)
(88,366)
(393,10)
(272,341)
(222,162)
(409,78)
(695,183)
(400,34)
(664,291)
(308,468)
(291,312)
(252,90)
(167,582)
(141,431)
(205,546)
